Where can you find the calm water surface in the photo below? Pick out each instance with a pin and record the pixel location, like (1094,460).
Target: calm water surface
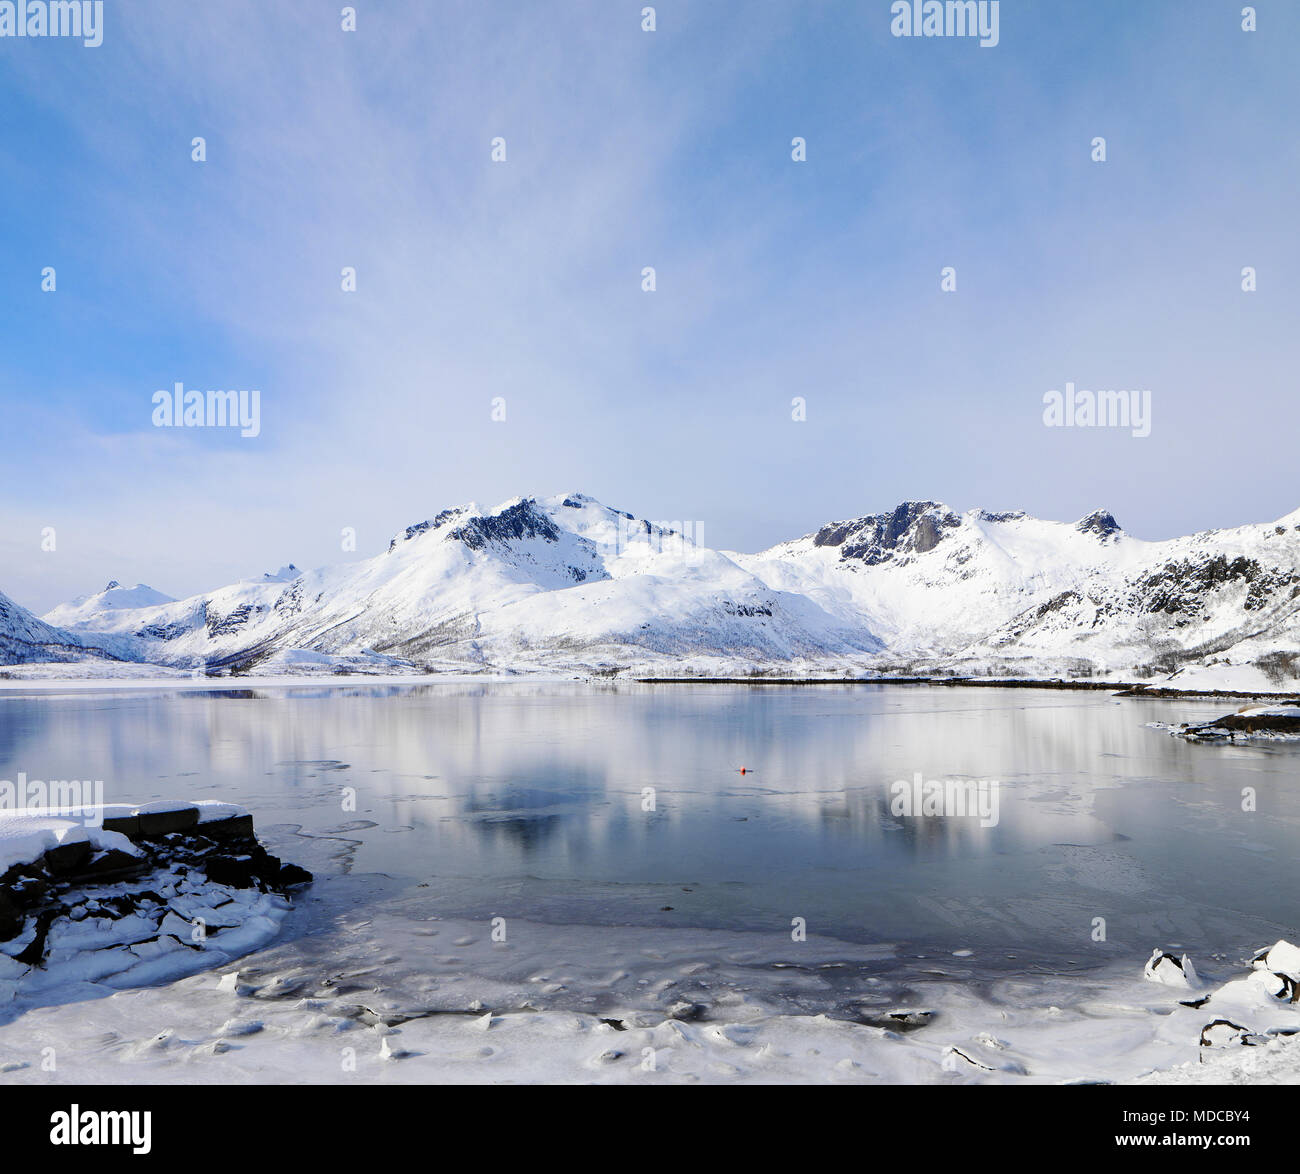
(527,800)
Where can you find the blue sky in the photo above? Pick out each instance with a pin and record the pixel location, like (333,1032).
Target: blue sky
(522,280)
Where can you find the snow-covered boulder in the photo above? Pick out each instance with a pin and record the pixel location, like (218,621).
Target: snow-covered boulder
(1170,970)
(1281,958)
(1261,1006)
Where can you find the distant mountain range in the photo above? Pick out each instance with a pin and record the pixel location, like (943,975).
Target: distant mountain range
(567,584)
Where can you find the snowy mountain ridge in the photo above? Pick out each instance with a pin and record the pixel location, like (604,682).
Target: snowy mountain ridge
(565,583)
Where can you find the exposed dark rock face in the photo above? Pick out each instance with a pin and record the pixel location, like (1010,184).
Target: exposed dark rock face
(289,602)
(424,527)
(522,520)
(411,532)
(745,609)
(1056,603)
(913,528)
(224,625)
(1101,523)
(11,916)
(163,631)
(1179,588)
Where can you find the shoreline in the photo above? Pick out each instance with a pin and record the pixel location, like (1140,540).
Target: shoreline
(12,684)
(1116,688)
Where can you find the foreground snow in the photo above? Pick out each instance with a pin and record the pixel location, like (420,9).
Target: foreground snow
(396,996)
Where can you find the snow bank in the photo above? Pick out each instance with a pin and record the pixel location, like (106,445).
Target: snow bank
(418,999)
(25,837)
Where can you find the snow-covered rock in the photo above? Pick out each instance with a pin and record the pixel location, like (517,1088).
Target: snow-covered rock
(1264,722)
(1280,958)
(1254,1009)
(85,908)
(1170,970)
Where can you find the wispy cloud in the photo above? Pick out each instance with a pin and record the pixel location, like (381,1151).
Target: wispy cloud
(522,280)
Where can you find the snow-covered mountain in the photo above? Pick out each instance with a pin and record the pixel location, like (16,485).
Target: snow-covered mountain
(1008,594)
(555,582)
(24,639)
(87,609)
(567,583)
(931,581)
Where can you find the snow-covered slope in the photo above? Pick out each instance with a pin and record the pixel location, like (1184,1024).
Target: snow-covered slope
(930,581)
(1226,597)
(568,583)
(88,611)
(1008,593)
(549,583)
(26,640)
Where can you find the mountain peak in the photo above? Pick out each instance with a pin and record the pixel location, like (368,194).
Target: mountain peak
(517,520)
(112,600)
(434,523)
(1101,523)
(914,527)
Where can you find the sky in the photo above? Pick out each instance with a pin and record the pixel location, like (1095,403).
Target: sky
(520,280)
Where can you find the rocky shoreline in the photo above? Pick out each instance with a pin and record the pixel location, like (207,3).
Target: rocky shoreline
(1255,722)
(142,897)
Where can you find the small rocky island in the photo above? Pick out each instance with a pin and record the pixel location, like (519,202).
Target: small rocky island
(130,896)
(1260,721)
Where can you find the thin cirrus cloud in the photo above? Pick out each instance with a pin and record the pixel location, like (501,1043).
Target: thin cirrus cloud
(521,280)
